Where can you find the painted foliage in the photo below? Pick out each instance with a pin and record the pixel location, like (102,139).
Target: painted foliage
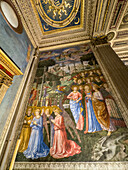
(72,115)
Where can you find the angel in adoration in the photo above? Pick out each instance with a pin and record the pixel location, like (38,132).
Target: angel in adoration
(45,121)
(26,130)
(36,146)
(48,112)
(69,123)
(92,124)
(62,147)
(77,107)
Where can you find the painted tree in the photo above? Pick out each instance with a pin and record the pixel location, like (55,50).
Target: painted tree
(90,58)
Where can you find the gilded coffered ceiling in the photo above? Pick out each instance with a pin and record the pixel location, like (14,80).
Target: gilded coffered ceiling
(58,15)
(52,24)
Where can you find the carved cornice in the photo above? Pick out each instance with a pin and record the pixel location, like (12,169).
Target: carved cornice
(123,54)
(70,44)
(71,165)
(64,39)
(6,76)
(7,82)
(118,14)
(8,64)
(92,13)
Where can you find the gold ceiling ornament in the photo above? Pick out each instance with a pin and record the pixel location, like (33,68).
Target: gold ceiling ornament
(57,8)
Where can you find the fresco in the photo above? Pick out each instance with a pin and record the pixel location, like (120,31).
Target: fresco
(18,48)
(72,115)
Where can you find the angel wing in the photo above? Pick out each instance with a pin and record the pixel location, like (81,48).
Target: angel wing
(68,122)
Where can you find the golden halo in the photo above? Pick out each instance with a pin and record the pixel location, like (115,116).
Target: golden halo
(50,109)
(95,85)
(37,108)
(29,107)
(72,87)
(43,107)
(57,108)
(88,86)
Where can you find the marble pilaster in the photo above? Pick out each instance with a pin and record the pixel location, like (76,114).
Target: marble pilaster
(3,88)
(116,74)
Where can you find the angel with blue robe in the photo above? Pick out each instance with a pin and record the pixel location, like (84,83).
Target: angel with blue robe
(36,147)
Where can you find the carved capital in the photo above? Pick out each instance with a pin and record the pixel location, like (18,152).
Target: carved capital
(99,41)
(37,52)
(1,78)
(7,82)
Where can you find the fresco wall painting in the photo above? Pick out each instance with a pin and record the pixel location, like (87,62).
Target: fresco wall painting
(72,115)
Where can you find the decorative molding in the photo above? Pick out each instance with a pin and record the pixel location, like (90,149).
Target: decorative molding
(64,40)
(91,13)
(53,47)
(122,34)
(123,54)
(110,16)
(118,13)
(98,16)
(107,9)
(8,64)
(121,50)
(30,18)
(72,165)
(124,23)
(120,44)
(124,58)
(103,16)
